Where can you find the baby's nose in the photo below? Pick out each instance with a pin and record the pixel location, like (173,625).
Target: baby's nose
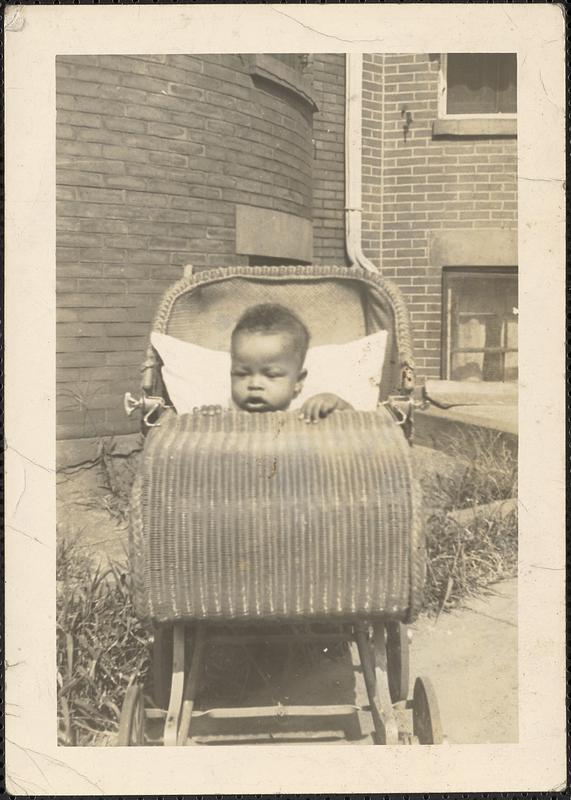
(255,382)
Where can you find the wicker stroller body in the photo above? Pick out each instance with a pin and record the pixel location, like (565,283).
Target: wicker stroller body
(271,551)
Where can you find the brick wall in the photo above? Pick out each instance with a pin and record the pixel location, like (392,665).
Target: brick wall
(329,159)
(415,187)
(372,153)
(153,153)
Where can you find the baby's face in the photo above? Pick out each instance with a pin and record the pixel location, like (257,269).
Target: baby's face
(266,371)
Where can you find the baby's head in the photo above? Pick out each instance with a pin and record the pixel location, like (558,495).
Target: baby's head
(268,349)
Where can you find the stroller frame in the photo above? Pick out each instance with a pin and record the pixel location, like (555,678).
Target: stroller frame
(380,651)
(379,647)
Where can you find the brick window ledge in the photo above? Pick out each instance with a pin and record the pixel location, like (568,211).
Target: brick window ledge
(271,69)
(476,126)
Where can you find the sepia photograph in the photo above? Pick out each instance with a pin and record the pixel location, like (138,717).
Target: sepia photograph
(285,410)
(287,306)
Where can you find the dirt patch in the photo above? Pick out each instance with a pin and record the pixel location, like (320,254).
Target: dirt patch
(88,510)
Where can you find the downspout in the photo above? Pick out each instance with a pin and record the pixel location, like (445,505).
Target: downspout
(353,166)
(382,170)
(353,206)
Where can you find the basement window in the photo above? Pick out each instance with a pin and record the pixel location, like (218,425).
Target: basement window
(290,72)
(480,324)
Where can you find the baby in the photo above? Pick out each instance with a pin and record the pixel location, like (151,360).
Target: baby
(268,350)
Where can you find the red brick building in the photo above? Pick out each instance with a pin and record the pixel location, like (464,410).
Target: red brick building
(214,160)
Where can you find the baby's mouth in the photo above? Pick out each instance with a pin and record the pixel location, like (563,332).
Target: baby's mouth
(255,403)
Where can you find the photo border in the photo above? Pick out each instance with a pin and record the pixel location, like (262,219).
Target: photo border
(34,35)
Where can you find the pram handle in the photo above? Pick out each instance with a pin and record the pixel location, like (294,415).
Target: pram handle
(401,407)
(148,406)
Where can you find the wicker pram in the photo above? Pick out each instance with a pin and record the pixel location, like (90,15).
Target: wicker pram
(260,518)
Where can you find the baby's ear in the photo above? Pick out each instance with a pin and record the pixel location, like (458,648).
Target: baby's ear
(299,383)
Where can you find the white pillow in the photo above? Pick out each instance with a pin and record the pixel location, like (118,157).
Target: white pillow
(196,376)
(351,370)
(193,375)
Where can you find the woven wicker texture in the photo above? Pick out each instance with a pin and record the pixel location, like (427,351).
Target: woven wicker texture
(331,310)
(261,516)
(337,304)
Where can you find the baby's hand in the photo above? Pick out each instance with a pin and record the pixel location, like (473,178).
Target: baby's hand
(322,405)
(207,411)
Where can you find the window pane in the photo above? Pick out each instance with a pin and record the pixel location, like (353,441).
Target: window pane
(471,85)
(511,334)
(467,366)
(507,83)
(481,83)
(482,325)
(510,367)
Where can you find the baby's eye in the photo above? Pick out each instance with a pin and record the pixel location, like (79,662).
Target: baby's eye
(273,374)
(238,373)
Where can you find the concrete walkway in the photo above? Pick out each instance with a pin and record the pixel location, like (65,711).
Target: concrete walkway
(471,657)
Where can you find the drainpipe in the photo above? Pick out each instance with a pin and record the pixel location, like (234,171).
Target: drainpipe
(353,149)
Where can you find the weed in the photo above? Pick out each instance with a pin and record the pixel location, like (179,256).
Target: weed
(115,475)
(101,645)
(465,559)
(118,473)
(485,471)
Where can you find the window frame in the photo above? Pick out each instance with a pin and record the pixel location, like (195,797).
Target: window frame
(443,97)
(449,273)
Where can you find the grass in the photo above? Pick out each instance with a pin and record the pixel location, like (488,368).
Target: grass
(102,647)
(485,471)
(464,561)
(465,558)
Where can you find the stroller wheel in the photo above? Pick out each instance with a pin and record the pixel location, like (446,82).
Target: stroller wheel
(426,725)
(397,660)
(132,721)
